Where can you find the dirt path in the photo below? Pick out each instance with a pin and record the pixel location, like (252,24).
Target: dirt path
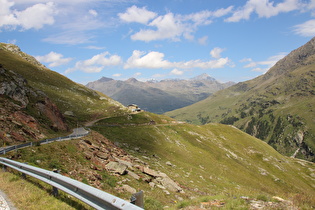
(94,121)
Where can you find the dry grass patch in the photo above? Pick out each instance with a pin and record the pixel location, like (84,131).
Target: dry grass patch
(31,194)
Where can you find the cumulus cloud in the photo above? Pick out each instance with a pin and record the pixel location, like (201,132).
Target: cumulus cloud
(97,63)
(306,29)
(169,26)
(263,66)
(176,72)
(54,59)
(263,8)
(152,60)
(139,15)
(216,52)
(155,60)
(35,16)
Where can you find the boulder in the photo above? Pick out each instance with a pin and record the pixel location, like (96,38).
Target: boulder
(169,184)
(133,175)
(150,172)
(117,167)
(129,189)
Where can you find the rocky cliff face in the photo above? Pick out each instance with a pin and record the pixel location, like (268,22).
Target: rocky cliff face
(25,112)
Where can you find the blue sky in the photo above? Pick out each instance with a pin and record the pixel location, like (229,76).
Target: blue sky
(157,39)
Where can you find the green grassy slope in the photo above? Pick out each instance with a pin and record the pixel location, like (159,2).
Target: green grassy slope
(66,94)
(209,162)
(214,159)
(277,107)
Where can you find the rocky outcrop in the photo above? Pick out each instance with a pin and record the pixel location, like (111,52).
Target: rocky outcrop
(16,50)
(51,111)
(14,86)
(16,125)
(21,108)
(105,155)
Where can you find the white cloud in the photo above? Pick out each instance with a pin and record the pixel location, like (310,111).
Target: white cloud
(306,29)
(203,40)
(91,47)
(216,52)
(204,17)
(168,27)
(97,63)
(151,60)
(222,12)
(139,15)
(117,75)
(93,12)
(263,8)
(176,72)
(137,74)
(69,37)
(251,65)
(172,26)
(263,66)
(263,70)
(54,59)
(155,60)
(246,60)
(35,16)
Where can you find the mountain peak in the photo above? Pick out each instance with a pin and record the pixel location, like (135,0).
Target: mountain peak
(203,76)
(296,58)
(105,79)
(132,80)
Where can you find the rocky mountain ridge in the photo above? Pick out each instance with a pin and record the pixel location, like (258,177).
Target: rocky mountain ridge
(159,96)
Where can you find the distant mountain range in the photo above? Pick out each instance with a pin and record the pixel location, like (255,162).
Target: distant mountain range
(277,107)
(159,96)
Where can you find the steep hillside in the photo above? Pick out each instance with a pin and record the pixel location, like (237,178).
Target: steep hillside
(37,102)
(180,163)
(277,107)
(159,96)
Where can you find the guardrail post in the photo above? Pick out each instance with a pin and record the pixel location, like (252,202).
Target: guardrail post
(55,189)
(23,176)
(137,199)
(4,168)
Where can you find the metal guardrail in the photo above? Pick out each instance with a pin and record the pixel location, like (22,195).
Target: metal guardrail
(45,141)
(92,196)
